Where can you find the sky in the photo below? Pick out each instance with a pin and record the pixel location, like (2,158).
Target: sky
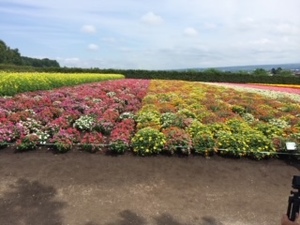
(154,34)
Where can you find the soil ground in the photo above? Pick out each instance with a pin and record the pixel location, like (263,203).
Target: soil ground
(42,188)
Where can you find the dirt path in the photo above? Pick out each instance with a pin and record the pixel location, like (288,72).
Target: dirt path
(86,189)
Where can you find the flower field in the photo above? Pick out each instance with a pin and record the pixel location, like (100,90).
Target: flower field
(14,83)
(150,117)
(276,91)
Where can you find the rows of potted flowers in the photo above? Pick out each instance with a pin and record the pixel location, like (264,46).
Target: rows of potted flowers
(150,117)
(185,117)
(275,91)
(91,116)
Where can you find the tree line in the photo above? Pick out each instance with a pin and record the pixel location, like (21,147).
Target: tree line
(9,56)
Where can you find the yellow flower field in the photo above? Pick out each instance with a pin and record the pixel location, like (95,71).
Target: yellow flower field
(14,83)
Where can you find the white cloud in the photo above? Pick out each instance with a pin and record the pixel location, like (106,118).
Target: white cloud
(71,62)
(125,49)
(109,40)
(151,19)
(210,26)
(89,29)
(234,32)
(93,47)
(190,31)
(262,42)
(287,28)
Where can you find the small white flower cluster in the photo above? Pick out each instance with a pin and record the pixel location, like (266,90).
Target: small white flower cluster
(279,123)
(168,119)
(127,115)
(248,117)
(96,100)
(111,94)
(31,125)
(85,122)
(43,137)
(30,111)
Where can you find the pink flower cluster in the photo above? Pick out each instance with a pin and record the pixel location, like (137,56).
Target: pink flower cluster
(57,111)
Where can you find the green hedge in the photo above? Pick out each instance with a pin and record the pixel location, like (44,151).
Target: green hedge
(205,76)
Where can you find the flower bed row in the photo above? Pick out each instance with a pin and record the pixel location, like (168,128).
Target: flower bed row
(295,86)
(271,91)
(294,89)
(14,83)
(195,117)
(150,118)
(91,115)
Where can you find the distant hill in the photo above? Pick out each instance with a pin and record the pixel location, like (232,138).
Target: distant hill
(292,66)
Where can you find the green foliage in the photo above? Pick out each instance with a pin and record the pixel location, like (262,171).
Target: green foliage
(259,145)
(206,76)
(63,146)
(150,99)
(148,141)
(238,126)
(238,109)
(3,145)
(268,129)
(253,144)
(260,72)
(195,127)
(186,113)
(148,117)
(281,72)
(204,142)
(286,73)
(118,147)
(10,56)
(27,61)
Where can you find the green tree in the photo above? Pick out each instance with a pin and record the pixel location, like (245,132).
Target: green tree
(281,72)
(3,49)
(15,57)
(212,71)
(276,71)
(10,56)
(260,72)
(285,73)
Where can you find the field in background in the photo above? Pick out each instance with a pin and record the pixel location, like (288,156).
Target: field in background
(14,83)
